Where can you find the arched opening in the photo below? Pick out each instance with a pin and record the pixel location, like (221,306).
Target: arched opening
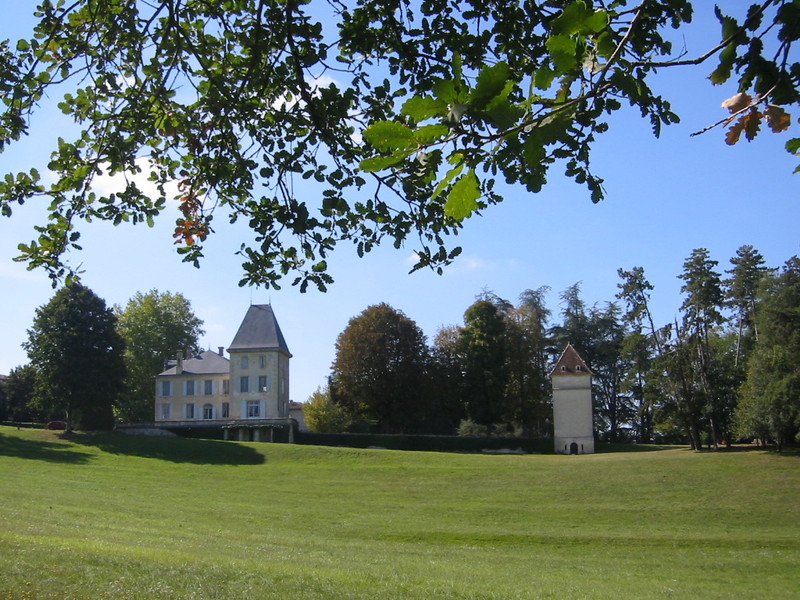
(573,448)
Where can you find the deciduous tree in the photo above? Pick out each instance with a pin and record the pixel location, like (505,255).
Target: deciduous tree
(17,395)
(379,370)
(768,406)
(446,382)
(528,389)
(78,355)
(154,327)
(432,103)
(325,416)
(485,363)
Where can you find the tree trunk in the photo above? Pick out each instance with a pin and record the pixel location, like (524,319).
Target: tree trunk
(694,433)
(714,436)
(68,428)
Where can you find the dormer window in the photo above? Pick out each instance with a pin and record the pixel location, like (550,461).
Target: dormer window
(563,368)
(578,368)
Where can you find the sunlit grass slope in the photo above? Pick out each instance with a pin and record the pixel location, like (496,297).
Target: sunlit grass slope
(111,516)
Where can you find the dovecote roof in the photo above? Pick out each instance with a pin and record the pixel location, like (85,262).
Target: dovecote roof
(570,363)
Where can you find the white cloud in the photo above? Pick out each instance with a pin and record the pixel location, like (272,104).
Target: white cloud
(113,184)
(473,263)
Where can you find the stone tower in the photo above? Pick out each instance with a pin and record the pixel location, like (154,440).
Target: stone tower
(260,366)
(572,404)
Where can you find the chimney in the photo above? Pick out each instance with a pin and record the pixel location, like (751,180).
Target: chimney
(179,363)
(221,350)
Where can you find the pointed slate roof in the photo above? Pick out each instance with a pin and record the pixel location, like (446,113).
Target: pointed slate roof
(259,331)
(570,363)
(205,363)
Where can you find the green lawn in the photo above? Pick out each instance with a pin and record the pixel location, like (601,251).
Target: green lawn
(111,516)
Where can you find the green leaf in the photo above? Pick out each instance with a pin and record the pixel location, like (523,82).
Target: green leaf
(463,198)
(534,151)
(723,72)
(571,20)
(491,83)
(562,50)
(729,24)
(503,114)
(428,134)
(425,107)
(793,146)
(445,90)
(543,78)
(451,174)
(789,16)
(596,22)
(388,136)
(374,164)
(605,45)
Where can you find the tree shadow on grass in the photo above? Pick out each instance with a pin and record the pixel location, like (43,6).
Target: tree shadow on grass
(607,447)
(16,447)
(177,450)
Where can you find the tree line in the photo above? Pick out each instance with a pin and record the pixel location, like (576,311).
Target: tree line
(725,369)
(91,365)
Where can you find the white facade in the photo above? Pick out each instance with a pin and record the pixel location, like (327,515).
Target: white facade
(573,423)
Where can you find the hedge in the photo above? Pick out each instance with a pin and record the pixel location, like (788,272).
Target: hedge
(438,443)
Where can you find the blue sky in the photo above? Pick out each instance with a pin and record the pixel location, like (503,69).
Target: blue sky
(665,197)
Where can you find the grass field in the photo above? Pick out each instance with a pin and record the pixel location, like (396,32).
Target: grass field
(110,516)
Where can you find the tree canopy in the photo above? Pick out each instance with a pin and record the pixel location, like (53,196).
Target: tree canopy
(406,114)
(770,406)
(154,327)
(378,374)
(74,346)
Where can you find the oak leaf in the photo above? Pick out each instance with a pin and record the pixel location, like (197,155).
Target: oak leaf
(738,102)
(749,123)
(777,118)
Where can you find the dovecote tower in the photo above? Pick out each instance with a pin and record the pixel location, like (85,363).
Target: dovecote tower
(572,404)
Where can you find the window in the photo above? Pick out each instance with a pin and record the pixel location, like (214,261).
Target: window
(244,384)
(189,414)
(578,368)
(190,387)
(245,362)
(208,411)
(166,388)
(253,408)
(166,411)
(226,410)
(226,386)
(262,361)
(263,383)
(208,387)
